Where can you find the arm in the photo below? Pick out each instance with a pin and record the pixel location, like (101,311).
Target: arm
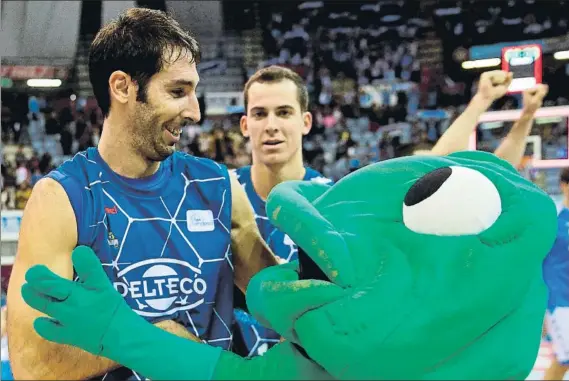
(492,85)
(457,136)
(47,236)
(513,146)
(251,253)
(91,314)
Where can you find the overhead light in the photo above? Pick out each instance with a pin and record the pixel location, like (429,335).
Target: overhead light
(43,82)
(561,55)
(477,64)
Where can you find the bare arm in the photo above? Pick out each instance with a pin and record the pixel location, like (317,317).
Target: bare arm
(493,85)
(48,235)
(251,254)
(457,136)
(513,146)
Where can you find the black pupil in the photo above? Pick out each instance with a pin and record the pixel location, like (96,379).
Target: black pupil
(427,185)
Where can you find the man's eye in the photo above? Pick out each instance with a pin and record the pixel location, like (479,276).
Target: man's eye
(178,93)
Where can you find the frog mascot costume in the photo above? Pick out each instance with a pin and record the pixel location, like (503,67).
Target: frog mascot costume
(414,268)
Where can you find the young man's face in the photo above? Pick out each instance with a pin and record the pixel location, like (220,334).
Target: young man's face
(274,122)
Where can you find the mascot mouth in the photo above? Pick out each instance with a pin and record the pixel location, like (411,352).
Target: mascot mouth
(308,269)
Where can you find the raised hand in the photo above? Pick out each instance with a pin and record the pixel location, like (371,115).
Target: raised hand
(533,98)
(493,85)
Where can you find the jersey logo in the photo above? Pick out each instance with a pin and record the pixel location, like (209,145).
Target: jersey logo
(161,286)
(112,210)
(112,240)
(200,220)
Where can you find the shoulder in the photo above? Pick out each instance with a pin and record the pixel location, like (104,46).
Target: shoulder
(198,163)
(242,173)
(49,205)
(76,168)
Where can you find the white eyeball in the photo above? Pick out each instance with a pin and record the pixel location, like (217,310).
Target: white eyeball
(452,201)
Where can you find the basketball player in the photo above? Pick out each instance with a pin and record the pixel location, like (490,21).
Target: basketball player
(174,232)
(556,276)
(277,117)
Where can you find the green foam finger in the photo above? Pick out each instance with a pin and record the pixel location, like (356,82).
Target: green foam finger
(57,289)
(88,267)
(54,331)
(60,310)
(40,273)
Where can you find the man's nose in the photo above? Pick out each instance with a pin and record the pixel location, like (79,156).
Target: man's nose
(272,123)
(192,111)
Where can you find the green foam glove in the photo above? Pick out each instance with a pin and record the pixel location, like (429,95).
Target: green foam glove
(91,315)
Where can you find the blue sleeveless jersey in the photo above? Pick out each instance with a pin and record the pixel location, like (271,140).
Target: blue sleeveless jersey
(254,339)
(164,241)
(556,264)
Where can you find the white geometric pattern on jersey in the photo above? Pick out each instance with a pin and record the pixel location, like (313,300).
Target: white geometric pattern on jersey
(258,342)
(292,247)
(173,222)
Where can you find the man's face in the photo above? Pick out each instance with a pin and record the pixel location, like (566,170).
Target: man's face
(274,122)
(171,103)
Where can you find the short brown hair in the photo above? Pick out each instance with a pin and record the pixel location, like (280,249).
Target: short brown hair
(136,43)
(273,74)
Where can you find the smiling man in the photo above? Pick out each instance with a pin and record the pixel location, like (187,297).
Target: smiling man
(173,232)
(277,118)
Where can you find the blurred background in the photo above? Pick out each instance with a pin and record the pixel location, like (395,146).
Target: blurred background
(386,78)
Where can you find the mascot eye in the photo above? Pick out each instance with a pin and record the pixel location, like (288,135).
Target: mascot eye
(451,201)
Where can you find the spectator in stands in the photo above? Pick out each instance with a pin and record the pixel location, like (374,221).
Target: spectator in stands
(20,156)
(23,194)
(22,172)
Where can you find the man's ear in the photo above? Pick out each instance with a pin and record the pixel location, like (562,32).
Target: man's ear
(307,119)
(120,85)
(243,126)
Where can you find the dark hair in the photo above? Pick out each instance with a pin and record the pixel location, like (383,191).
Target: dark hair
(273,74)
(564,175)
(138,43)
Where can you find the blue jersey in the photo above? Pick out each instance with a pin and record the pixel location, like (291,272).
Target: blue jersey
(556,264)
(256,339)
(164,241)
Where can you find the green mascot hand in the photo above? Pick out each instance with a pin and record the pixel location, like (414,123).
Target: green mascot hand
(92,315)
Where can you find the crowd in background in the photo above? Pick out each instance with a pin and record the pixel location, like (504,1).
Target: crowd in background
(368,92)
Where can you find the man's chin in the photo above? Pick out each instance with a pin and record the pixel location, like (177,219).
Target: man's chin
(163,152)
(276,159)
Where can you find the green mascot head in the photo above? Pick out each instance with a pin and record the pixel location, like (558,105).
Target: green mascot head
(421,267)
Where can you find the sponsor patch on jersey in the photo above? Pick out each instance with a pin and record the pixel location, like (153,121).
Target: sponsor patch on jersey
(200,220)
(161,286)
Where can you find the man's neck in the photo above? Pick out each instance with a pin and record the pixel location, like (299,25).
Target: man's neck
(115,147)
(265,178)
(566,202)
